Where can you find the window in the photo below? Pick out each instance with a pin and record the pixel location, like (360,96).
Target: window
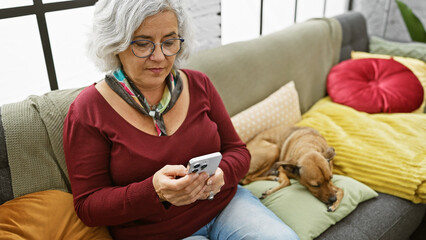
(68,31)
(34,58)
(14,3)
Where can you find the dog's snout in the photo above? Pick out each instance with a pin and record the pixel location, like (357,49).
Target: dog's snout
(332,199)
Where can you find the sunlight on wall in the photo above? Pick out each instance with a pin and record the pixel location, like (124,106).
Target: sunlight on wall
(241,18)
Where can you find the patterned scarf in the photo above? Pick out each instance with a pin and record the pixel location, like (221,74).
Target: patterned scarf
(126,89)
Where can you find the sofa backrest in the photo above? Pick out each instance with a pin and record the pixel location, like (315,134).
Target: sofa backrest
(246,72)
(354,34)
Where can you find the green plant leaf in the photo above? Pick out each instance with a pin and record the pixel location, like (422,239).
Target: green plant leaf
(414,25)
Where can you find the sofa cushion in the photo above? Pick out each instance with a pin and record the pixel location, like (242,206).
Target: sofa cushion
(413,50)
(375,85)
(304,213)
(384,151)
(280,108)
(45,215)
(417,66)
(384,217)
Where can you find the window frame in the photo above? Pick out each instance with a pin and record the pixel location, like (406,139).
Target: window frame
(40,9)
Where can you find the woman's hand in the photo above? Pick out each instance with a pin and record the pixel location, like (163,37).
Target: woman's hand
(173,184)
(214,184)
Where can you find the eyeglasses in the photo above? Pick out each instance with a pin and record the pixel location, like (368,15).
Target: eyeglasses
(145,48)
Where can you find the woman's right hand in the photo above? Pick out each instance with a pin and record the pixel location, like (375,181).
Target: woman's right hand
(173,184)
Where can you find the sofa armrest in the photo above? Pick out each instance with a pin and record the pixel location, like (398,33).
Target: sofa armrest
(6,192)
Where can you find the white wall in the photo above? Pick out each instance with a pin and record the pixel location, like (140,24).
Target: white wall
(207,19)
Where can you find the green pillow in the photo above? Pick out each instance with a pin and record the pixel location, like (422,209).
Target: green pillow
(304,213)
(413,50)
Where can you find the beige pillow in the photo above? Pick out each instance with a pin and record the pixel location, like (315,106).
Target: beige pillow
(279,108)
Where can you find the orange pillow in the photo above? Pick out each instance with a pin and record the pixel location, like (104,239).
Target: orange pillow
(45,215)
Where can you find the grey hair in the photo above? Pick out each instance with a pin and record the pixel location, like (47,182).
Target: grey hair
(115,22)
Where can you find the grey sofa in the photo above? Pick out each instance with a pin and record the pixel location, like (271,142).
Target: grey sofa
(385,217)
(303,53)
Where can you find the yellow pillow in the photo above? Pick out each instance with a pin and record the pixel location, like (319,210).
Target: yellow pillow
(279,108)
(45,215)
(418,67)
(385,151)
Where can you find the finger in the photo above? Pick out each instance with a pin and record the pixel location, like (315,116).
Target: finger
(193,183)
(163,179)
(174,171)
(209,194)
(174,177)
(186,188)
(206,193)
(217,178)
(190,181)
(188,198)
(215,182)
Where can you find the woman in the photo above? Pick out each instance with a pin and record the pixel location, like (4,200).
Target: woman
(128,138)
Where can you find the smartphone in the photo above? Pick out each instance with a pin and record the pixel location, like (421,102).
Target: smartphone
(205,163)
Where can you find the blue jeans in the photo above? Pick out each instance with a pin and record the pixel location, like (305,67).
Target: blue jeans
(245,217)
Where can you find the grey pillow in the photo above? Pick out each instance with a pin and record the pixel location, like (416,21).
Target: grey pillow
(412,50)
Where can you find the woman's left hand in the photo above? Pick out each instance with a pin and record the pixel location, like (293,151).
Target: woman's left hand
(214,184)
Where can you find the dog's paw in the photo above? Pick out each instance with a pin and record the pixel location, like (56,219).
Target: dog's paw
(331,208)
(265,194)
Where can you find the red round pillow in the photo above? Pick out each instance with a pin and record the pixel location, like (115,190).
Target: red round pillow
(375,85)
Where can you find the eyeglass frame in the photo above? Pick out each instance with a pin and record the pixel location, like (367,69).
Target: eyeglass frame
(155,44)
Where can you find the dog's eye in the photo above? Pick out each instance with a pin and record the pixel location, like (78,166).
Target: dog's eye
(316,186)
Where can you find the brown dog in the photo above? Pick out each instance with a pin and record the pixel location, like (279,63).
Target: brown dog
(300,153)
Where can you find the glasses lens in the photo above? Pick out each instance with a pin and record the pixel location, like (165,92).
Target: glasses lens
(142,48)
(171,47)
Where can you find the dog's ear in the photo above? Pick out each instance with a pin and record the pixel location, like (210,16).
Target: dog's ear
(329,154)
(291,169)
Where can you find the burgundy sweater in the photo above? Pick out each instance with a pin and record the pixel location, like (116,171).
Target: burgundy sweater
(111,164)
